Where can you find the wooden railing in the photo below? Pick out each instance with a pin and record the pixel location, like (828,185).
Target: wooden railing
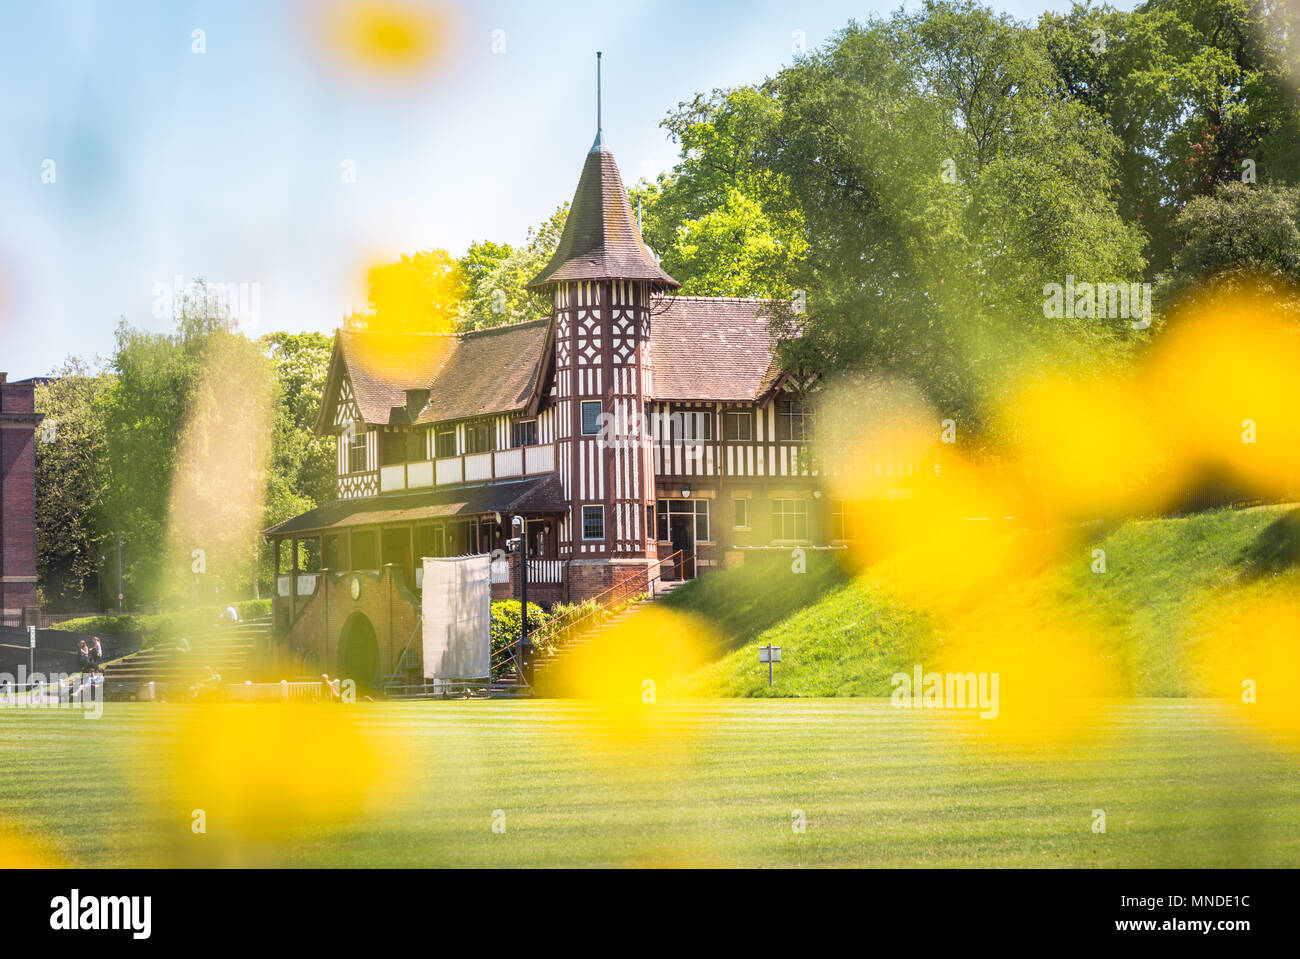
(484,467)
(546,572)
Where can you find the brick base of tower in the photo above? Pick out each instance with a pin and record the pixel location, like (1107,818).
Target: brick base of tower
(591,577)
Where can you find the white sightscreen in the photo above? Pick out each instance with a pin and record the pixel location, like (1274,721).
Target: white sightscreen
(457,606)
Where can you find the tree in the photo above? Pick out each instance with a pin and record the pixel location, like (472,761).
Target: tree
(943,181)
(1240,234)
(1198,92)
(71,480)
(422,293)
(188,430)
(501,295)
(723,222)
(478,263)
(734,250)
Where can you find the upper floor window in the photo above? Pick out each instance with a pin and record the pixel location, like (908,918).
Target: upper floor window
(393,448)
(478,439)
(590,417)
(357,451)
(737,426)
(525,432)
(696,424)
(444,444)
(792,421)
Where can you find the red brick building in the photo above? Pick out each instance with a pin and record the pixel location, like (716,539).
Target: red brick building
(18,422)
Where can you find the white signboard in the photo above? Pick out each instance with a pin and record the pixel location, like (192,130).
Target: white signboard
(457,607)
(769,654)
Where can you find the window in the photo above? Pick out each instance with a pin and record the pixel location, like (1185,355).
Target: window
(790,519)
(590,417)
(593,522)
(526,433)
(791,421)
(737,426)
(444,444)
(844,520)
(696,508)
(357,452)
(742,513)
(392,448)
(331,558)
(478,439)
(696,425)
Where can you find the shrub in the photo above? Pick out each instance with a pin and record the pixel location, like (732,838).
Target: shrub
(505,622)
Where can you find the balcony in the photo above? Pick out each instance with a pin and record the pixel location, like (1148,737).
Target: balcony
(516,463)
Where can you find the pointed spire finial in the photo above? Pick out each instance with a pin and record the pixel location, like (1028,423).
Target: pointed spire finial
(599,145)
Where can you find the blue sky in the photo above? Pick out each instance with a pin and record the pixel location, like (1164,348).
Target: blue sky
(228,164)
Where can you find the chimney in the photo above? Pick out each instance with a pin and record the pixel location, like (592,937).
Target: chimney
(415,402)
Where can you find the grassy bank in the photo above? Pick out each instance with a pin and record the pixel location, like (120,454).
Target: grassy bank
(846,637)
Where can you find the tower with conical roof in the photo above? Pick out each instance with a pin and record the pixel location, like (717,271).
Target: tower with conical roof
(602,279)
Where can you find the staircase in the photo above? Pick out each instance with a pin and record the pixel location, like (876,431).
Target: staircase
(227,649)
(508,684)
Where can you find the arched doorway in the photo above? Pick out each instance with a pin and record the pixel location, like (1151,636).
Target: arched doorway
(359,651)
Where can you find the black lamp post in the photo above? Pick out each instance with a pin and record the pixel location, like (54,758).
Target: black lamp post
(525,644)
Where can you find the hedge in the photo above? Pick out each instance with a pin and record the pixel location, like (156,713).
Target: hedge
(160,628)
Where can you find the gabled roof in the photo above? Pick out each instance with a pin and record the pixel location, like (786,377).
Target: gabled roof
(490,371)
(712,348)
(702,348)
(601,240)
(542,494)
(477,373)
(381,367)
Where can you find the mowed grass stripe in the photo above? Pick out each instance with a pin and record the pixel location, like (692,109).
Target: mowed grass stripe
(712,784)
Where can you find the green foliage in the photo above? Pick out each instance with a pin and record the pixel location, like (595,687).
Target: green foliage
(163,629)
(505,622)
(169,407)
(1239,234)
(71,481)
(498,294)
(302,472)
(422,292)
(724,223)
(1192,89)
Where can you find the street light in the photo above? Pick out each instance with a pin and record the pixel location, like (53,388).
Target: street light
(520,544)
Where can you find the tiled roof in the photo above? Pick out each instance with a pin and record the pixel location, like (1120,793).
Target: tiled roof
(540,494)
(382,366)
(490,371)
(712,348)
(486,371)
(701,348)
(601,240)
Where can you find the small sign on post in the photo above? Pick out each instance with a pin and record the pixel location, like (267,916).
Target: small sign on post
(769,654)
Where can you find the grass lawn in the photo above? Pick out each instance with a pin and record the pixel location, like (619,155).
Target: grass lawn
(1180,785)
(845,636)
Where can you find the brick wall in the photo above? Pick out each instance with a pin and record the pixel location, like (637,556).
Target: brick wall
(392,609)
(18,422)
